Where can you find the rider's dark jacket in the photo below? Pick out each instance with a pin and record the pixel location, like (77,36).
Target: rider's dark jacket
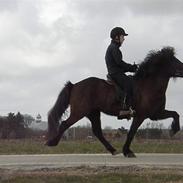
(116,69)
(114,60)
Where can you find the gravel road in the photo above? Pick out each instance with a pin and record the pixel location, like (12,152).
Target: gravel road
(32,162)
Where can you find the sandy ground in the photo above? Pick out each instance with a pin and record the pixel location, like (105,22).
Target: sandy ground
(10,166)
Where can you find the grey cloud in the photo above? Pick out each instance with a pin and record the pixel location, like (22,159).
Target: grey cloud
(156,7)
(140,7)
(8,5)
(37,58)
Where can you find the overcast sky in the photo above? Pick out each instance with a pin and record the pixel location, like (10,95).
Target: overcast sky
(44,43)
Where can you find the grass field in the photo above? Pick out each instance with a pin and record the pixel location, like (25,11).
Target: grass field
(28,146)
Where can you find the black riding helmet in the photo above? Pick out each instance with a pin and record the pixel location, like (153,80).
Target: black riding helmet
(117,31)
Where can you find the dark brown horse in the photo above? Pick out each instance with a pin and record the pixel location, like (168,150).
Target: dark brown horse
(89,97)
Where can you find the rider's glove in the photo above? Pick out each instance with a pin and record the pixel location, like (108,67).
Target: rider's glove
(134,67)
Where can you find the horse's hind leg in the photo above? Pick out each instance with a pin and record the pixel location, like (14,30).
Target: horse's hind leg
(62,128)
(94,117)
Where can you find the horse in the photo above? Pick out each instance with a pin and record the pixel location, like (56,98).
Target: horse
(91,96)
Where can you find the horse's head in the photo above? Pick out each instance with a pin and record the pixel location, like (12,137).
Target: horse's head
(176,68)
(160,63)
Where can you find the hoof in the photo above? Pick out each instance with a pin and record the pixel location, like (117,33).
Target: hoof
(130,155)
(115,153)
(174,128)
(172,132)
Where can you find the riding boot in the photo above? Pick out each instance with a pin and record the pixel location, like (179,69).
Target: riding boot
(127,111)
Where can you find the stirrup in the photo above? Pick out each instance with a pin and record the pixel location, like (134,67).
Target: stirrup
(127,114)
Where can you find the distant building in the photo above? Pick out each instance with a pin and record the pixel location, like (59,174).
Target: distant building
(38,118)
(43,125)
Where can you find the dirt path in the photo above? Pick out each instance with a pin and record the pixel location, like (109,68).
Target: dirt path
(34,162)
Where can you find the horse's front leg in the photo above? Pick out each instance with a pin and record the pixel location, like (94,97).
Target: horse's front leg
(133,129)
(175,127)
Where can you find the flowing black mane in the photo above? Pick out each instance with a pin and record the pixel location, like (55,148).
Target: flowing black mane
(154,62)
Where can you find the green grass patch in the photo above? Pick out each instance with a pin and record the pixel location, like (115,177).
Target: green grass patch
(106,178)
(33,146)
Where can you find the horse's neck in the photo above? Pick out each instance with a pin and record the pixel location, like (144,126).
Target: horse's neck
(161,83)
(157,84)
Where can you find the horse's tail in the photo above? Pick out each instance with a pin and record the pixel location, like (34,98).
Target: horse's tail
(59,109)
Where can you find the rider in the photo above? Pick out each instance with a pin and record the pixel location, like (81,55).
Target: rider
(117,68)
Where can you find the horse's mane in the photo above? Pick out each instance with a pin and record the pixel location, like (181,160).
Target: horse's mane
(155,62)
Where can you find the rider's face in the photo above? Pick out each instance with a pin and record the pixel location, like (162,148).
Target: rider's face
(121,39)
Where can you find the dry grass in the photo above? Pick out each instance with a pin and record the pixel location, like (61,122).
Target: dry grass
(86,174)
(36,146)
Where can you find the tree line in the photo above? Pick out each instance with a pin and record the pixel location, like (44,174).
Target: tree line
(15,125)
